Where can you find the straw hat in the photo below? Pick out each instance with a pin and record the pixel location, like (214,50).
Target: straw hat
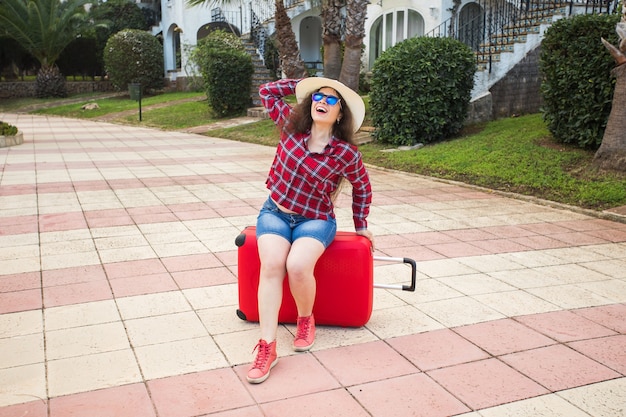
(308,86)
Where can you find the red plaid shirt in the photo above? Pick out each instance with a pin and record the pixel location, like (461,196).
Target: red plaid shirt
(303,181)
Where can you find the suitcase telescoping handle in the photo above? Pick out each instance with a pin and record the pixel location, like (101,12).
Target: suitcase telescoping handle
(399,286)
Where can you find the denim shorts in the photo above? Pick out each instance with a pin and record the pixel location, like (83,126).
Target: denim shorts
(293,226)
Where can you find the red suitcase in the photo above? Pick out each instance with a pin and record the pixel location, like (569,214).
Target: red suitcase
(344,276)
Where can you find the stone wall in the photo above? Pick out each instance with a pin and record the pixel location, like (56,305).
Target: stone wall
(519,91)
(27,89)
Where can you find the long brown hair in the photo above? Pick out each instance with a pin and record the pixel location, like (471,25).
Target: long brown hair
(301,121)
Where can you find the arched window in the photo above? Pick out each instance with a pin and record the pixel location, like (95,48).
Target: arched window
(392,27)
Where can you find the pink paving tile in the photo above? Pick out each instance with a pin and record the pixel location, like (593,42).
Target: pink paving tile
(228,258)
(392,241)
(125,184)
(457,250)
(134,268)
(125,401)
(110,221)
(366,362)
(96,214)
(546,228)
(486,383)
(196,215)
(55,187)
(204,277)
(413,395)
(143,284)
(75,275)
(31,409)
(159,182)
(500,246)
(611,316)
(154,218)
(236,211)
(609,351)
(468,235)
(539,242)
(335,403)
(191,262)
(577,238)
(7,190)
(587,225)
(611,235)
(508,232)
(558,367)
(19,282)
(198,393)
(11,302)
(253,411)
(76,293)
(19,225)
(293,376)
(417,253)
(61,222)
(430,238)
(564,326)
(500,337)
(90,185)
(139,211)
(437,349)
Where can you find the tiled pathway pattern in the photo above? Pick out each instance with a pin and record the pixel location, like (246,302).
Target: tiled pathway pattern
(118,292)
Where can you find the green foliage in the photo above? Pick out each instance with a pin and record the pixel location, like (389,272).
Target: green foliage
(577,88)
(7,129)
(134,56)
(227,72)
(420,90)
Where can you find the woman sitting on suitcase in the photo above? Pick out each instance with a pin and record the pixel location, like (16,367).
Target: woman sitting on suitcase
(297,223)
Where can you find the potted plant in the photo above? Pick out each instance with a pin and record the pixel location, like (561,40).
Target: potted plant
(9,135)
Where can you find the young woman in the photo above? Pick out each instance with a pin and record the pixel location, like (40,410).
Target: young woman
(297,222)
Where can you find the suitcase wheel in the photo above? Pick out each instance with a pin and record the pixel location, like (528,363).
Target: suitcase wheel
(241,314)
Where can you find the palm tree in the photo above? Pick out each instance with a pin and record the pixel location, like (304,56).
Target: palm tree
(44,28)
(332,23)
(612,151)
(292,63)
(356,13)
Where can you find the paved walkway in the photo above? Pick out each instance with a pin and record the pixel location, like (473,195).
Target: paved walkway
(118,291)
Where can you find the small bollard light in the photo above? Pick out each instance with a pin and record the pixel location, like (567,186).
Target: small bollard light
(134,90)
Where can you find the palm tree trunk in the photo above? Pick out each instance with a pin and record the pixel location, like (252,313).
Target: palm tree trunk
(355,32)
(292,63)
(331,21)
(612,152)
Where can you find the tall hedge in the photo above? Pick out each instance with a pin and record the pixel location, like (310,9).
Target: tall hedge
(134,56)
(421,89)
(226,71)
(578,88)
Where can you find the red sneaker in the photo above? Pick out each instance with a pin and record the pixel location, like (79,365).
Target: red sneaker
(265,360)
(305,334)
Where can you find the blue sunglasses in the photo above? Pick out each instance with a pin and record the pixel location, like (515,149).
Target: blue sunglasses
(330,100)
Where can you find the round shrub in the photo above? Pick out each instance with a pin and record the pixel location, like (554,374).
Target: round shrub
(226,71)
(134,56)
(578,88)
(421,89)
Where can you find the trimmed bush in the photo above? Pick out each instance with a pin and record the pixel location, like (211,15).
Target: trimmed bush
(7,129)
(134,56)
(578,88)
(421,89)
(226,71)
